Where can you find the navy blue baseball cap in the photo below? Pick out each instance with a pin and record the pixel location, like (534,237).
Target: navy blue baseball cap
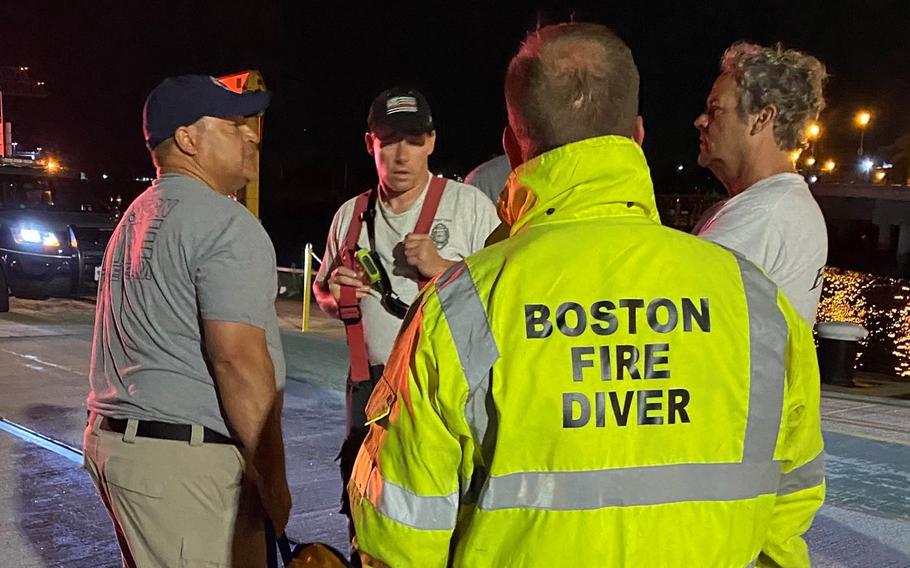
(181,101)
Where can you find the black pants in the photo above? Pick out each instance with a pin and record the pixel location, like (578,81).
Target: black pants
(357,396)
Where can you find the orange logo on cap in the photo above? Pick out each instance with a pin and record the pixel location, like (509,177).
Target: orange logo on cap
(235,82)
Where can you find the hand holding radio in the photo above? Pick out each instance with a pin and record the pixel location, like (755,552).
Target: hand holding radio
(354,277)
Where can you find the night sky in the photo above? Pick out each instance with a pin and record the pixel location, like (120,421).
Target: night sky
(325,62)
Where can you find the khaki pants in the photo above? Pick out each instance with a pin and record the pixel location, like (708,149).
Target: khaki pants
(176,504)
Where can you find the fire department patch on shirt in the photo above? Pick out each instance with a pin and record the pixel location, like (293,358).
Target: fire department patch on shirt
(401,104)
(440,235)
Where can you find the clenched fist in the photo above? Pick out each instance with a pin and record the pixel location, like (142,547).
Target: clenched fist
(420,252)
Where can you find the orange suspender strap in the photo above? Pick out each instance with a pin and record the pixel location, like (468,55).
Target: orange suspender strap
(428,213)
(348,303)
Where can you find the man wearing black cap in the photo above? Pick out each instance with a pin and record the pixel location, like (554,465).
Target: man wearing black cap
(183,438)
(413,224)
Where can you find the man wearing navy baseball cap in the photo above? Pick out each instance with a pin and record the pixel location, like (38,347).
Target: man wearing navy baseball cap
(187,374)
(181,108)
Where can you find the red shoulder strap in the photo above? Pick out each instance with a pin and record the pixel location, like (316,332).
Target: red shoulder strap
(430,205)
(428,213)
(360,205)
(349,304)
(350,314)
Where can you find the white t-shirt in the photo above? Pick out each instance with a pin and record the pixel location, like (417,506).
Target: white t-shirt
(463,220)
(777,224)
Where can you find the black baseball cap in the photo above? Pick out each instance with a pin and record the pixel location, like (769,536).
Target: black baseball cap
(400,110)
(181,101)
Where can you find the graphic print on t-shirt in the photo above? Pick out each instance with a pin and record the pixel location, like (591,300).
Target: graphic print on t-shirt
(142,226)
(440,235)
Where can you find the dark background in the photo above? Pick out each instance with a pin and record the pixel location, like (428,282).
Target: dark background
(326,61)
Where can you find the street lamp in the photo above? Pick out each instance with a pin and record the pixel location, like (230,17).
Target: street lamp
(829,166)
(862,120)
(813,131)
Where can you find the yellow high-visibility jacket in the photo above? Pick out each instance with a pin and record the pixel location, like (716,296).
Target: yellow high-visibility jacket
(596,390)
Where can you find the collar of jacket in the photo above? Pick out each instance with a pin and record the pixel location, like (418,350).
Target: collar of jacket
(606,176)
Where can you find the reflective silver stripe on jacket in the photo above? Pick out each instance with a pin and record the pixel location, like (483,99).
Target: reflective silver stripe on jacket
(807,476)
(473,338)
(436,512)
(767,364)
(630,486)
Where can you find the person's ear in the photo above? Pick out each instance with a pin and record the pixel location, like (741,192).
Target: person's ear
(764,120)
(431,141)
(639,134)
(368,141)
(512,147)
(186,139)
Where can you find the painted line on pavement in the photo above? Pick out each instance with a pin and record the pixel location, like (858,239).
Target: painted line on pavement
(41,440)
(40,361)
(849,430)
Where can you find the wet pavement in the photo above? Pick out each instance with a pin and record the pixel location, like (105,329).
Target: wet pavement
(51,516)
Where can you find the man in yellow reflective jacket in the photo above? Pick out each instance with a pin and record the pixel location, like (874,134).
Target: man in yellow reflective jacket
(596,389)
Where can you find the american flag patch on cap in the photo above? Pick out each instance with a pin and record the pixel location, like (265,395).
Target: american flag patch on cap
(400,104)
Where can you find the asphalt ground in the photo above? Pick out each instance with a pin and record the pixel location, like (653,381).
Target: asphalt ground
(50,514)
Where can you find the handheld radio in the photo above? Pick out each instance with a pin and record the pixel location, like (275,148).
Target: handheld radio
(366,260)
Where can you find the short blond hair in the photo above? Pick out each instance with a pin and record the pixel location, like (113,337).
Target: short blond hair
(570,82)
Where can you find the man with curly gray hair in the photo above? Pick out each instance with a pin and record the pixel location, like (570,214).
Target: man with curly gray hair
(757,113)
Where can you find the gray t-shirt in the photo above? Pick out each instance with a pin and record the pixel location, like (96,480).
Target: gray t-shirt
(462,223)
(777,224)
(490,177)
(182,253)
